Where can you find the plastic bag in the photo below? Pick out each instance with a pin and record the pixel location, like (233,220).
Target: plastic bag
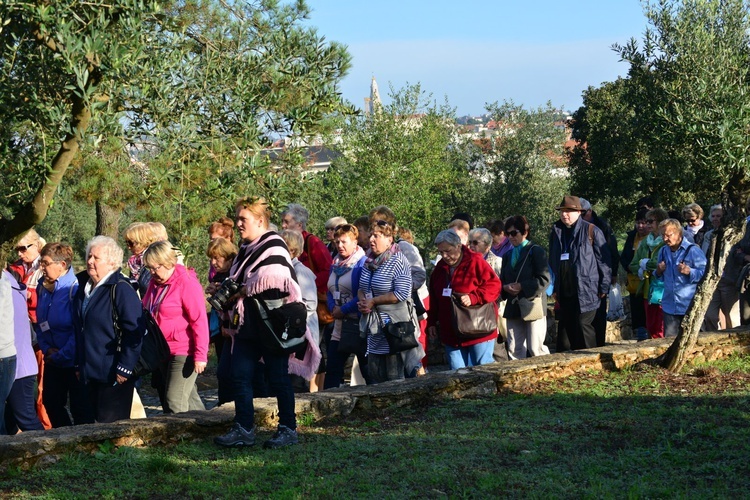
(615,310)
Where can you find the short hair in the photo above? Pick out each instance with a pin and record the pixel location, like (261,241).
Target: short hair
(113,253)
(658,214)
(334,221)
(298,213)
(362,223)
(294,242)
(519,222)
(673,223)
(58,252)
(716,207)
(159,231)
(448,236)
(349,229)
(464,216)
(160,253)
(221,247)
(405,234)
(33,238)
(383,227)
(256,205)
(482,234)
(641,213)
(224,227)
(496,226)
(646,202)
(383,213)
(692,209)
(459,224)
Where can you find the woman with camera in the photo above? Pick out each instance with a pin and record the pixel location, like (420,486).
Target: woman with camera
(264,270)
(175,298)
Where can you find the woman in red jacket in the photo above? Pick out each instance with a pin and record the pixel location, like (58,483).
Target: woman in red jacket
(465,276)
(175,298)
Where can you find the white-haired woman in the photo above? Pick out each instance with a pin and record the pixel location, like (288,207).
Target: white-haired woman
(106,359)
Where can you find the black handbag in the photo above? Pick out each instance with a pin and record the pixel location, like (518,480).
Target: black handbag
(352,341)
(282,329)
(473,322)
(400,336)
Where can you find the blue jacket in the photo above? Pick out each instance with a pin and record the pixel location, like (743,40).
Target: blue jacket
(590,261)
(679,288)
(96,345)
(351,306)
(56,309)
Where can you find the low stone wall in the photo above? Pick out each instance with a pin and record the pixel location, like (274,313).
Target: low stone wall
(42,447)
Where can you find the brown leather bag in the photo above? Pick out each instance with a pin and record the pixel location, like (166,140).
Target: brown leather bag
(473,322)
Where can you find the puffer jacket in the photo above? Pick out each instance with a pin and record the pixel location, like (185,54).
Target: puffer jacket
(679,288)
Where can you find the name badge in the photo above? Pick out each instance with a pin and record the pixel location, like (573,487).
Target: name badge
(337,295)
(44,325)
(565,256)
(368,295)
(447,292)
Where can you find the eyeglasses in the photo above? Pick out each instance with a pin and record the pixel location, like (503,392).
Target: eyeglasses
(46,263)
(691,221)
(513,232)
(23,248)
(152,270)
(129,243)
(347,228)
(474,242)
(650,221)
(331,228)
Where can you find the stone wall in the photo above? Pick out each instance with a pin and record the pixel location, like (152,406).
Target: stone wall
(42,447)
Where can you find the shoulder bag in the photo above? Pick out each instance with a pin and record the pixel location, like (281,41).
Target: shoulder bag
(400,336)
(282,329)
(531,309)
(473,322)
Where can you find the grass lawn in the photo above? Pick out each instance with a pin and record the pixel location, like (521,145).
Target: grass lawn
(633,434)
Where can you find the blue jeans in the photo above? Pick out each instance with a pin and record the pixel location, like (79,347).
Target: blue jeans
(245,359)
(7,376)
(672,324)
(473,355)
(20,409)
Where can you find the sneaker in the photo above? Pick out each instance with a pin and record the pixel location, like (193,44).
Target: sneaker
(237,436)
(284,436)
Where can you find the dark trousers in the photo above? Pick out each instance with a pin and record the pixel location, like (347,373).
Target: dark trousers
(7,377)
(244,365)
(577,325)
(59,383)
(637,312)
(336,362)
(20,408)
(600,323)
(111,402)
(385,367)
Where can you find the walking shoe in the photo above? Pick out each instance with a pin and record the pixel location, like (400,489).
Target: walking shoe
(284,436)
(237,436)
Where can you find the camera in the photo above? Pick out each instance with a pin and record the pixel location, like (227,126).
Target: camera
(227,289)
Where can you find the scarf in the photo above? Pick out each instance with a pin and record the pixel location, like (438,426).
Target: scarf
(373,262)
(694,229)
(653,241)
(135,264)
(516,253)
(342,266)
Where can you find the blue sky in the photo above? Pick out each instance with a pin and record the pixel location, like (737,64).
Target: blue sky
(478,52)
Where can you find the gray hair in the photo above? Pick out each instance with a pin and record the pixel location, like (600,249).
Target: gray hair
(335,221)
(113,254)
(298,213)
(715,207)
(482,234)
(448,236)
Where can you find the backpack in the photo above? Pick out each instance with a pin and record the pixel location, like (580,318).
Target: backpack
(154,348)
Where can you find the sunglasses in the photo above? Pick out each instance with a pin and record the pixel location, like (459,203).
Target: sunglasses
(23,248)
(347,228)
(474,242)
(650,221)
(513,233)
(381,223)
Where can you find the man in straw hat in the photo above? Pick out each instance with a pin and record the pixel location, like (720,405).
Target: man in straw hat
(580,259)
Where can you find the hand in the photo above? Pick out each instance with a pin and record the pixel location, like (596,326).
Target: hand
(512,288)
(199,366)
(212,287)
(366,306)
(683,268)
(431,332)
(661,267)
(120,379)
(50,352)
(336,313)
(465,300)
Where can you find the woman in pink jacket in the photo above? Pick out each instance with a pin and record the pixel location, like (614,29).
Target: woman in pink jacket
(175,298)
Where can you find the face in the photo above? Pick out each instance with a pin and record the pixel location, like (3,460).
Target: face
(160,273)
(642,227)
(329,233)
(515,236)
(249,225)
(569,217)
(346,245)
(653,226)
(134,247)
(27,251)
(692,220)
(716,216)
(96,264)
(52,269)
(497,239)
(477,245)
(364,237)
(379,242)
(672,237)
(221,264)
(288,222)
(450,254)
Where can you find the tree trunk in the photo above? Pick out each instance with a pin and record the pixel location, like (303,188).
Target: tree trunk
(107,220)
(677,354)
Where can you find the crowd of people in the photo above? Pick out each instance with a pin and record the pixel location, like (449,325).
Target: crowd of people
(69,342)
